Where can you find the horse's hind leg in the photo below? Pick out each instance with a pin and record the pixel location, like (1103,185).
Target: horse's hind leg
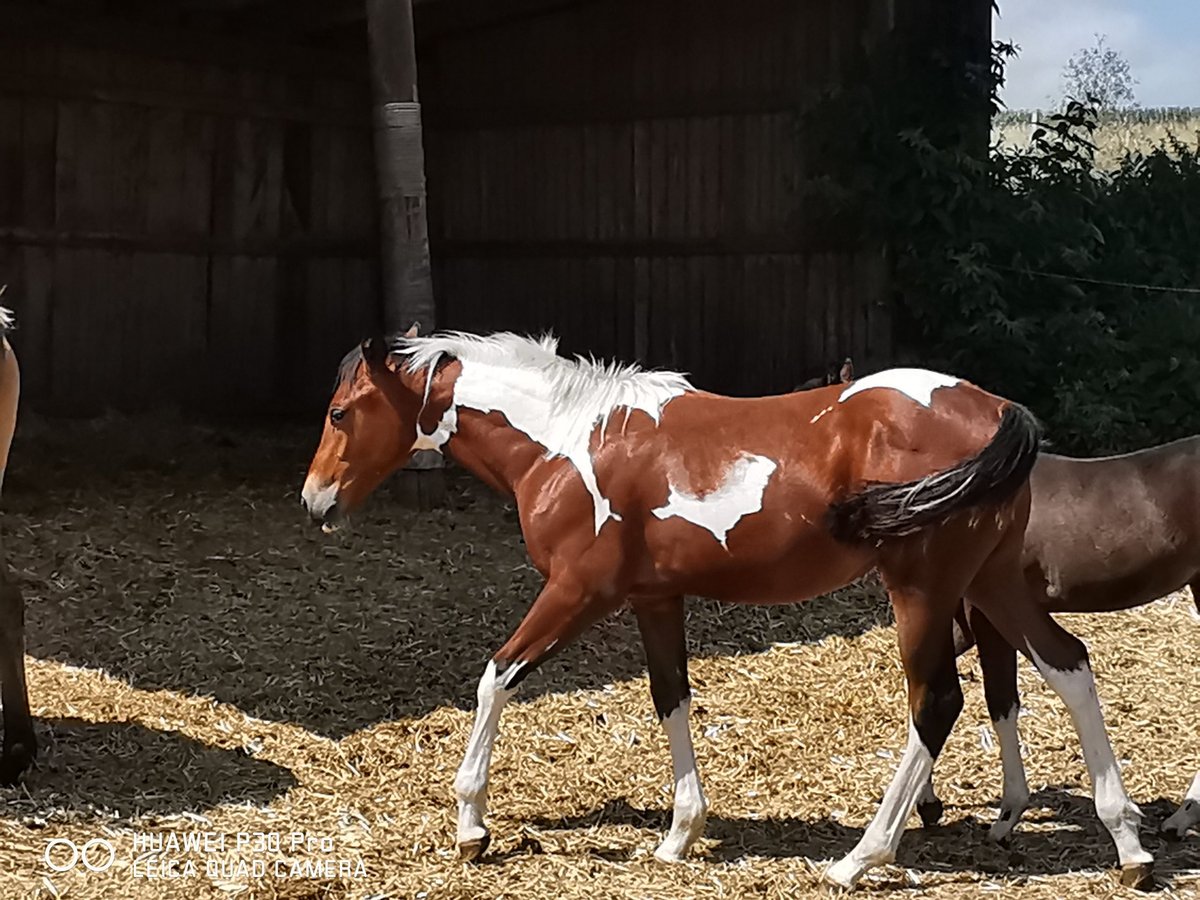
(560,613)
(999,663)
(923,625)
(1188,814)
(662,626)
(1063,661)
(20,744)
(929,805)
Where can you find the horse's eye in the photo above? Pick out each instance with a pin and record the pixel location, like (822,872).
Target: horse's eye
(337,414)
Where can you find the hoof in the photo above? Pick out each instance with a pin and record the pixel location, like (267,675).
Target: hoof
(930,812)
(671,857)
(1139,876)
(15,760)
(473,850)
(1171,833)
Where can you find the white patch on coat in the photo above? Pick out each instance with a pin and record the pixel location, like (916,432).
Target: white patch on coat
(739,494)
(558,403)
(1015,799)
(878,843)
(1120,815)
(471,782)
(918,384)
(691,808)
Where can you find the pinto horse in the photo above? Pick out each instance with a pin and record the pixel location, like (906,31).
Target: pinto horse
(1104,534)
(635,489)
(20,744)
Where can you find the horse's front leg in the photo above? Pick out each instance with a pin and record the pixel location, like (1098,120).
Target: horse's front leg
(560,613)
(662,626)
(20,744)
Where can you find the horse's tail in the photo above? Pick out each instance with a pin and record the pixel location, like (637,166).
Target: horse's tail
(993,474)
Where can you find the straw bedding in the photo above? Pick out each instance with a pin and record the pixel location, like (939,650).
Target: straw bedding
(203,663)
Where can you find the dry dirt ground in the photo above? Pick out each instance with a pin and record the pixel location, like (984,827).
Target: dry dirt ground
(204,666)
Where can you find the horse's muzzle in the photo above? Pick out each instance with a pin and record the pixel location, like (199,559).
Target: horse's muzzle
(321,504)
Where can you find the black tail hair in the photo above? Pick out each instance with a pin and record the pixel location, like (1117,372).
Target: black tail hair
(995,473)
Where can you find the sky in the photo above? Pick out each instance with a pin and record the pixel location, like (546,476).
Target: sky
(1160,38)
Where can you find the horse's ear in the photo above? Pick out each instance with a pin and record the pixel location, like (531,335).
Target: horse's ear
(847,373)
(414,330)
(375,352)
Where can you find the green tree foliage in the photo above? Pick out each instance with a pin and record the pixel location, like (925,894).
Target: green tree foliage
(1100,75)
(998,256)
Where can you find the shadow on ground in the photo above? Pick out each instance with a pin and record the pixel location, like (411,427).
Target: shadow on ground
(176,557)
(124,770)
(1076,842)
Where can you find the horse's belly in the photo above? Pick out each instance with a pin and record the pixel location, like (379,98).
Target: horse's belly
(756,566)
(1083,591)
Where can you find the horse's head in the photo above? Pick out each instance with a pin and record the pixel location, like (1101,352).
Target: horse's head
(370,428)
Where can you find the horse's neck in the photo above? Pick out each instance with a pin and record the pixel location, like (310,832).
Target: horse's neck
(477,430)
(10,393)
(493,451)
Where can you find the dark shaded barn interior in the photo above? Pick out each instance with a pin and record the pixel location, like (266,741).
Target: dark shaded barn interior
(189,197)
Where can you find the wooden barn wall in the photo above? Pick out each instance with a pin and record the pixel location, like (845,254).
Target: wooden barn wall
(184,220)
(626,174)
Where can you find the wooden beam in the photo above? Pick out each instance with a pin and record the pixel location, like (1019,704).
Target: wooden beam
(404,231)
(314,247)
(26,23)
(400,166)
(62,88)
(302,16)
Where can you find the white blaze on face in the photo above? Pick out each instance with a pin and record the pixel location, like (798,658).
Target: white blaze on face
(739,494)
(318,500)
(917,384)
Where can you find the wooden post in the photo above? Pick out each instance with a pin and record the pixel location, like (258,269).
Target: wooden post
(400,171)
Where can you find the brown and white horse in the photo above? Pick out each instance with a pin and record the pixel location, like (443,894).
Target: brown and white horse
(20,745)
(1104,534)
(633,488)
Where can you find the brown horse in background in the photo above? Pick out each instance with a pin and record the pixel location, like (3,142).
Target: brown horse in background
(1104,534)
(635,489)
(20,744)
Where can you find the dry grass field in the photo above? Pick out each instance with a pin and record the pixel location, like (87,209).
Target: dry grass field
(206,668)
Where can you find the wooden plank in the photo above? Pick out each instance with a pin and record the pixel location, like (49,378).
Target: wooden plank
(33,307)
(39,137)
(11,161)
(127,170)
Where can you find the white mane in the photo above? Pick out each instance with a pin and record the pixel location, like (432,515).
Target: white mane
(557,401)
(7,318)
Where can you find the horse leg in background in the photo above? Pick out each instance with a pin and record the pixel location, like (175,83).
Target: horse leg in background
(929,805)
(20,743)
(559,614)
(1188,814)
(1176,825)
(999,663)
(1062,660)
(661,623)
(923,626)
